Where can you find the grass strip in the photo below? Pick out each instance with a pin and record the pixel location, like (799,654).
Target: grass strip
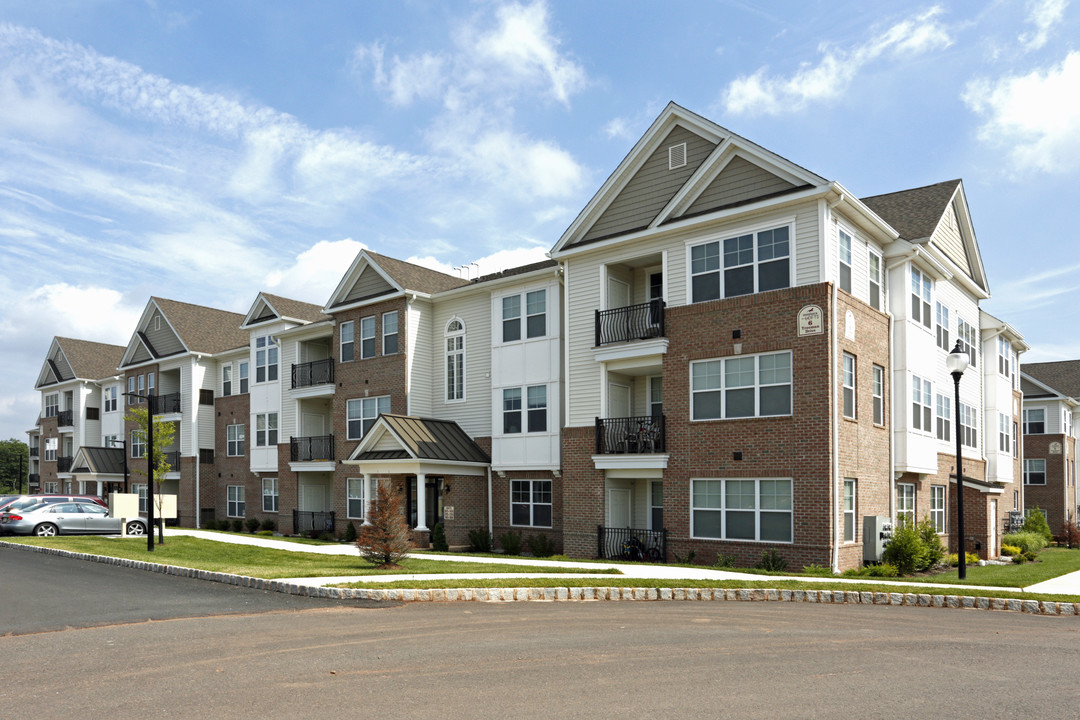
(266,563)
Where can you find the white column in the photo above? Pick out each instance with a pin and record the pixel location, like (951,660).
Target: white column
(421,502)
(369,497)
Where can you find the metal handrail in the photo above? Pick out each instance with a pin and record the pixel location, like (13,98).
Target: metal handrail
(631,435)
(316,372)
(633,322)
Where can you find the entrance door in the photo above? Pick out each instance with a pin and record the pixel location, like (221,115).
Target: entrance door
(432,502)
(992,551)
(618,507)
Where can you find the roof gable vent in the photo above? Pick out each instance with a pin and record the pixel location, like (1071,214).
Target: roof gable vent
(676,156)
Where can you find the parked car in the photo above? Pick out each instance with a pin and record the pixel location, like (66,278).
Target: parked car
(20,502)
(66,518)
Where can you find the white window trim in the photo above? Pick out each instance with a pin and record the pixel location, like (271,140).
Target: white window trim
(757,511)
(943,402)
(1029,463)
(265,417)
(226,369)
(757,386)
(342,343)
(899,495)
(927,303)
(878,370)
(532,503)
(842,233)
(854,511)
(275,495)
(851,388)
(363,337)
(363,498)
(941,332)
(972,414)
(1046,414)
(374,399)
(943,510)
(238,443)
(233,501)
(880,279)
(524,411)
(447,335)
(926,402)
(736,232)
(396,334)
(971,334)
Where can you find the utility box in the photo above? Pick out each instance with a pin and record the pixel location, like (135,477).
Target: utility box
(877,531)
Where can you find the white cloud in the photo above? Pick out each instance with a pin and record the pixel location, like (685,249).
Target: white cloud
(1036,117)
(307,278)
(1044,15)
(89,312)
(763,94)
(496,262)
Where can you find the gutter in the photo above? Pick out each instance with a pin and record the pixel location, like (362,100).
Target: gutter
(835,421)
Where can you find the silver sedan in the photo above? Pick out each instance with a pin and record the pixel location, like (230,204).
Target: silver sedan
(73,518)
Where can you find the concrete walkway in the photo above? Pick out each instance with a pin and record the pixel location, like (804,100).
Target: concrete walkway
(1064,585)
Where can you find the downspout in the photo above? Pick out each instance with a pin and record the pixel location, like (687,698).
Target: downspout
(835,417)
(198,467)
(565,342)
(892,437)
(491,522)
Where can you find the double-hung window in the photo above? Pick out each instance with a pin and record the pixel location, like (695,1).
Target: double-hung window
(150,383)
(270,495)
(1004,433)
(111,394)
(536,313)
(1034,471)
(511,318)
(226,380)
(266,429)
(1004,357)
(921,394)
(536,409)
(140,490)
(367,337)
(879,395)
(235,504)
(455,360)
(754,262)
(346,345)
(530,503)
(266,359)
(361,414)
(920,297)
(243,378)
(849,386)
(937,508)
(131,391)
(234,445)
(138,445)
(390,333)
(944,417)
(1034,421)
(965,333)
(877,281)
(905,503)
(511,410)
(52,445)
(750,386)
(52,405)
(943,328)
(758,510)
(356,493)
(536,397)
(849,510)
(844,252)
(969,426)
(142,388)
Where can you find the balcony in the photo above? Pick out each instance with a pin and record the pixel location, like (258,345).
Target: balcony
(316,372)
(319,448)
(165,404)
(306,522)
(63,464)
(631,435)
(35,480)
(173,458)
(631,544)
(65,418)
(35,452)
(633,322)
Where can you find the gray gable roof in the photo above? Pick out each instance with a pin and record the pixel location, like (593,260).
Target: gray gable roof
(1063,376)
(416,277)
(914,213)
(428,439)
(287,307)
(91,360)
(204,329)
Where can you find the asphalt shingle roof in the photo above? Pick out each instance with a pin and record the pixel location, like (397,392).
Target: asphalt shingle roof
(298,309)
(204,329)
(1063,376)
(416,277)
(91,360)
(914,213)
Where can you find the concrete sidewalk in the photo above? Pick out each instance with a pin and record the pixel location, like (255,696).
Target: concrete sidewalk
(1064,585)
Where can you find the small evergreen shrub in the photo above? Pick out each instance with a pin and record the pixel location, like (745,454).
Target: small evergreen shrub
(350,533)
(935,550)
(1010,550)
(1028,542)
(540,546)
(906,550)
(510,542)
(238,525)
(883,570)
(253,524)
(771,560)
(724,561)
(438,538)
(815,569)
(210,524)
(1019,558)
(265,533)
(479,540)
(970,559)
(269,524)
(856,572)
(1036,523)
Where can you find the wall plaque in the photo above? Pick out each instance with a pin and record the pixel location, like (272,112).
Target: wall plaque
(811,321)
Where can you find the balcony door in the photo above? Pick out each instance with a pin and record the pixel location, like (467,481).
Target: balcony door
(618,293)
(618,507)
(618,403)
(314,425)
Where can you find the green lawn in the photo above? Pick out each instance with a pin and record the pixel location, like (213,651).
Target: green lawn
(260,562)
(1052,563)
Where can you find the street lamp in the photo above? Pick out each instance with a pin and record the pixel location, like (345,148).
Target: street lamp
(957,362)
(149,467)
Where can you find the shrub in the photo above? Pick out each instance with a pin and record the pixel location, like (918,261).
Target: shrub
(210,524)
(438,538)
(856,572)
(269,524)
(883,570)
(510,542)
(238,525)
(906,550)
(350,533)
(1010,550)
(540,546)
(1028,542)
(479,540)
(724,561)
(560,558)
(265,533)
(687,559)
(771,560)
(1020,559)
(815,569)
(387,538)
(935,551)
(969,558)
(1070,534)
(253,524)
(1036,523)
(326,536)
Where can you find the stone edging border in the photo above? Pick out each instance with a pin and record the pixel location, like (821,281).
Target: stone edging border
(557,594)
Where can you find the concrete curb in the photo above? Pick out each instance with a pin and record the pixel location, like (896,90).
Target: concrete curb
(582,594)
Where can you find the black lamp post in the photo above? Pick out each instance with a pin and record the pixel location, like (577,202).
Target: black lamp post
(149,468)
(957,362)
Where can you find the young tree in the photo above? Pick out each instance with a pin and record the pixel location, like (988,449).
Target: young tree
(155,456)
(14,465)
(386,540)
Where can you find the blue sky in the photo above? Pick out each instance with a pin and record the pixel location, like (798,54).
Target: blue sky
(203,151)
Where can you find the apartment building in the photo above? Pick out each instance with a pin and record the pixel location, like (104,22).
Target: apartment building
(726,353)
(1051,397)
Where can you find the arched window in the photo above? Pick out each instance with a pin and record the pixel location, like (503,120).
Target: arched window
(455,360)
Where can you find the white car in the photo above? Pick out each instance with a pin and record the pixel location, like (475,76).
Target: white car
(70,518)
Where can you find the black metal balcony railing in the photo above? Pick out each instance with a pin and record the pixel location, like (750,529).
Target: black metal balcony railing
(645,434)
(35,479)
(65,418)
(35,452)
(63,464)
(633,322)
(631,544)
(306,521)
(311,449)
(173,458)
(316,372)
(165,404)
